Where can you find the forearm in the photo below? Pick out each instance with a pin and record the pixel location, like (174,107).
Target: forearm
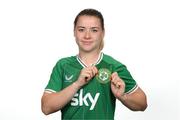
(52,102)
(135,101)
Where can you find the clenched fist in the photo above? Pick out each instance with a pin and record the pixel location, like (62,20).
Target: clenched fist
(117,85)
(86,75)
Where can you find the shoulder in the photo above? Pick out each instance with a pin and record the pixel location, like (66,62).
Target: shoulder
(66,60)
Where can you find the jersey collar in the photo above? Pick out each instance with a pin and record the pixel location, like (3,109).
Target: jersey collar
(97,62)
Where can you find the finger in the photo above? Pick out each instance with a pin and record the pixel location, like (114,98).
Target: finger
(115,74)
(91,73)
(88,71)
(118,84)
(87,77)
(95,70)
(114,81)
(84,76)
(117,81)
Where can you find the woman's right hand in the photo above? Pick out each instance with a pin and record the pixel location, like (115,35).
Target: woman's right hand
(86,75)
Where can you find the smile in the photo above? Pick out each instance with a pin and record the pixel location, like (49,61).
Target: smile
(87,42)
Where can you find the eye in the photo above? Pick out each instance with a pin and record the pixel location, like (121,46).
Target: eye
(80,30)
(94,30)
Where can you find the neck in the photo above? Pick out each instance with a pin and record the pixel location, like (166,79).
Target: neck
(89,58)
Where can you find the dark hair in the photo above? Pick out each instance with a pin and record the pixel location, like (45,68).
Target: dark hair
(90,12)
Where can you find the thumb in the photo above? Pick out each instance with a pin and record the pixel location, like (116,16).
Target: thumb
(114,74)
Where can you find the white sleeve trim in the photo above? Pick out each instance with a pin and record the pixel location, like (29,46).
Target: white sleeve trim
(49,91)
(132,90)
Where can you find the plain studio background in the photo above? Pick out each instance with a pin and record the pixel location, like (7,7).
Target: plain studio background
(35,34)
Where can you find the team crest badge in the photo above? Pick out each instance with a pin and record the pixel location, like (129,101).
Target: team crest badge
(103,75)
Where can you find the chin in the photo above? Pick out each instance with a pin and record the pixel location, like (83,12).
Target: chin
(86,49)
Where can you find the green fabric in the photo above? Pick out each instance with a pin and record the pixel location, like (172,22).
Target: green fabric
(94,100)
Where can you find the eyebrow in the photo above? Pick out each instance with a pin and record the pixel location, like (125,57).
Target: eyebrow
(85,27)
(80,27)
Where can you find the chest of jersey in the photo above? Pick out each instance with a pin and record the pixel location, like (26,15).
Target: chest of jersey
(96,94)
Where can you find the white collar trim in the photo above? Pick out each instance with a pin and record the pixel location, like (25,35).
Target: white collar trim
(97,62)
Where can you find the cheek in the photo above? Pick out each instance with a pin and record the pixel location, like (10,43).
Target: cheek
(75,34)
(78,35)
(100,37)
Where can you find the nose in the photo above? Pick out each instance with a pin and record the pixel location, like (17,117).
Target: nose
(87,34)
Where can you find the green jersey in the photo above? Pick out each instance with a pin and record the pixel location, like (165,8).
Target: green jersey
(95,100)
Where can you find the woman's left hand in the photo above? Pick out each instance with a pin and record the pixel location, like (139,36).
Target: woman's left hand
(117,85)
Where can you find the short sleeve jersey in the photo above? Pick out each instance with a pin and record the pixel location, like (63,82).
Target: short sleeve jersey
(95,100)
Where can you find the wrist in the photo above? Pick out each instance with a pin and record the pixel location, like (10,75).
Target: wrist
(77,85)
(123,97)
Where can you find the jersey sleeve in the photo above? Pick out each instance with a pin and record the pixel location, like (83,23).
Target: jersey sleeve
(124,74)
(55,82)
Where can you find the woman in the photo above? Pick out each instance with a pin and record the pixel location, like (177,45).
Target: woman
(86,86)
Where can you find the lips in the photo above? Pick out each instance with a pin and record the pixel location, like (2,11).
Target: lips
(87,42)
